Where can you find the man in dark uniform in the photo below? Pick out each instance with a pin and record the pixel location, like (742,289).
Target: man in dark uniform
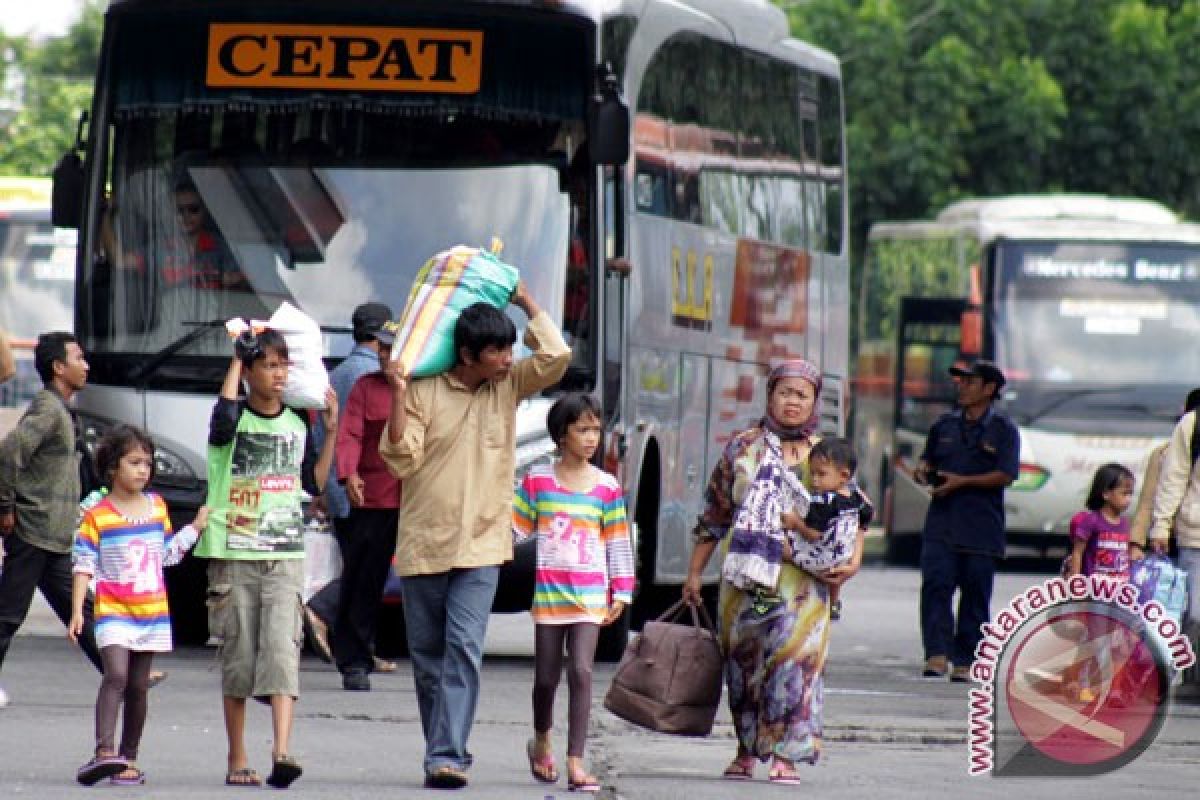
(970,456)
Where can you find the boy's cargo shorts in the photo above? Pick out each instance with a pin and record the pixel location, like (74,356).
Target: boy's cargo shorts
(254,609)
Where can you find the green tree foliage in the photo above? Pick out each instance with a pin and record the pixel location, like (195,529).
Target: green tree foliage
(58,75)
(954,98)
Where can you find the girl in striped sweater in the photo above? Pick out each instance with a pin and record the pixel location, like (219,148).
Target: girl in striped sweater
(584,577)
(124,541)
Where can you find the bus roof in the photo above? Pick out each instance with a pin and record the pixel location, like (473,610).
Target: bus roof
(1048,217)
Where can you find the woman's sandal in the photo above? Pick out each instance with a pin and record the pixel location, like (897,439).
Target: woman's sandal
(130,776)
(99,768)
(783,773)
(284,772)
(541,766)
(246,776)
(740,769)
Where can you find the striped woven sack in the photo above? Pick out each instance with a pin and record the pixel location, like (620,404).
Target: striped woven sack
(448,283)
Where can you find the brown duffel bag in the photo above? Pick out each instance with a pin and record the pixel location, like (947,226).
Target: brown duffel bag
(669,679)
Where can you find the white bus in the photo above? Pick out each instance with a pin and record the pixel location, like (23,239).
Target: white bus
(1090,305)
(336,146)
(37,282)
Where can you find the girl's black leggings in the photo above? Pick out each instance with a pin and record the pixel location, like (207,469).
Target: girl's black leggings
(127,678)
(580,639)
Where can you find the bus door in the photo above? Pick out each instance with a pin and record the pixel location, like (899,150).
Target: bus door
(929,335)
(615,288)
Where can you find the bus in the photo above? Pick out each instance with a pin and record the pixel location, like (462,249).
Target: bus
(1089,304)
(37,282)
(668,176)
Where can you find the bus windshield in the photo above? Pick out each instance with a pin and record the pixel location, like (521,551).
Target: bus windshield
(1097,313)
(203,249)
(239,178)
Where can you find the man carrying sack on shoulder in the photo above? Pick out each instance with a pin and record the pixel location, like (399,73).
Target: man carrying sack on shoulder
(451,439)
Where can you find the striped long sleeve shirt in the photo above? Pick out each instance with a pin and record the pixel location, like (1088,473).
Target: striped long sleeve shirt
(127,557)
(584,556)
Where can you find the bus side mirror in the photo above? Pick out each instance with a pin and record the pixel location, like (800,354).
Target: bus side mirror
(66,196)
(608,122)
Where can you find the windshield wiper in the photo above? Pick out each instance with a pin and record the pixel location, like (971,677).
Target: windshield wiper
(1068,395)
(1137,408)
(152,364)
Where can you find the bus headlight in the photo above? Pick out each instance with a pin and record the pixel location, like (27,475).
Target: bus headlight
(1030,478)
(170,469)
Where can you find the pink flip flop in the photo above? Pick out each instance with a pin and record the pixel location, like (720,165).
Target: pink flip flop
(541,767)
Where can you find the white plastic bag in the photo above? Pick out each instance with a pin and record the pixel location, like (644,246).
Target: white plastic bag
(307,378)
(322,556)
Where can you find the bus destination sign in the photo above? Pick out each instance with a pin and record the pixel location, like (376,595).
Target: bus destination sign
(1141,270)
(328,57)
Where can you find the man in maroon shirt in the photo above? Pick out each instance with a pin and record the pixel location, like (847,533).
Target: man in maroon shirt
(368,539)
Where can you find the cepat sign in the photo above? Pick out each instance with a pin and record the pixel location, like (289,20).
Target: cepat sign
(344,58)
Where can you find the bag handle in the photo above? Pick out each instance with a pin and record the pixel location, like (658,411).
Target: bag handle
(676,611)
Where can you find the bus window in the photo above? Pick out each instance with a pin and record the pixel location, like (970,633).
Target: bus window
(830,131)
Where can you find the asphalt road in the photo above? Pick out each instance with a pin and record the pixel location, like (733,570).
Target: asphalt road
(889,732)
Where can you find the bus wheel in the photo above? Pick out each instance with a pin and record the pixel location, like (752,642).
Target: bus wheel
(391,638)
(903,549)
(651,599)
(611,645)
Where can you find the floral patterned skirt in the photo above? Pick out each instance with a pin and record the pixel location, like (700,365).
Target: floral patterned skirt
(774,666)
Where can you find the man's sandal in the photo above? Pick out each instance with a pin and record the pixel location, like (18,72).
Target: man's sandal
(284,771)
(246,776)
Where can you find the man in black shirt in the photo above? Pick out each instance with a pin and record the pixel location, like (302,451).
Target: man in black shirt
(971,455)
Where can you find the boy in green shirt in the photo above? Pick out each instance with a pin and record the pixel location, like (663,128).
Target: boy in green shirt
(260,462)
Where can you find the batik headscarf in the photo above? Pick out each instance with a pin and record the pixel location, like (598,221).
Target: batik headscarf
(794,368)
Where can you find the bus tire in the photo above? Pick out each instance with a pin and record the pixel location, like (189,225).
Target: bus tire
(187,584)
(903,549)
(391,636)
(613,638)
(650,600)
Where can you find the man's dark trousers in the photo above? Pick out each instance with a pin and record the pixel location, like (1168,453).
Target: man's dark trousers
(28,568)
(367,539)
(944,569)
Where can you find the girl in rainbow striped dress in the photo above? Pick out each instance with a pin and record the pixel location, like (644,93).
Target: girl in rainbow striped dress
(124,541)
(584,577)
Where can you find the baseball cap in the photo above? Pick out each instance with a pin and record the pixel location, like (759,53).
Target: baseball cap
(387,334)
(369,318)
(981,368)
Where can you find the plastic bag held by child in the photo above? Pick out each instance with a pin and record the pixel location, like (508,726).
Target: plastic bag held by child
(448,283)
(307,379)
